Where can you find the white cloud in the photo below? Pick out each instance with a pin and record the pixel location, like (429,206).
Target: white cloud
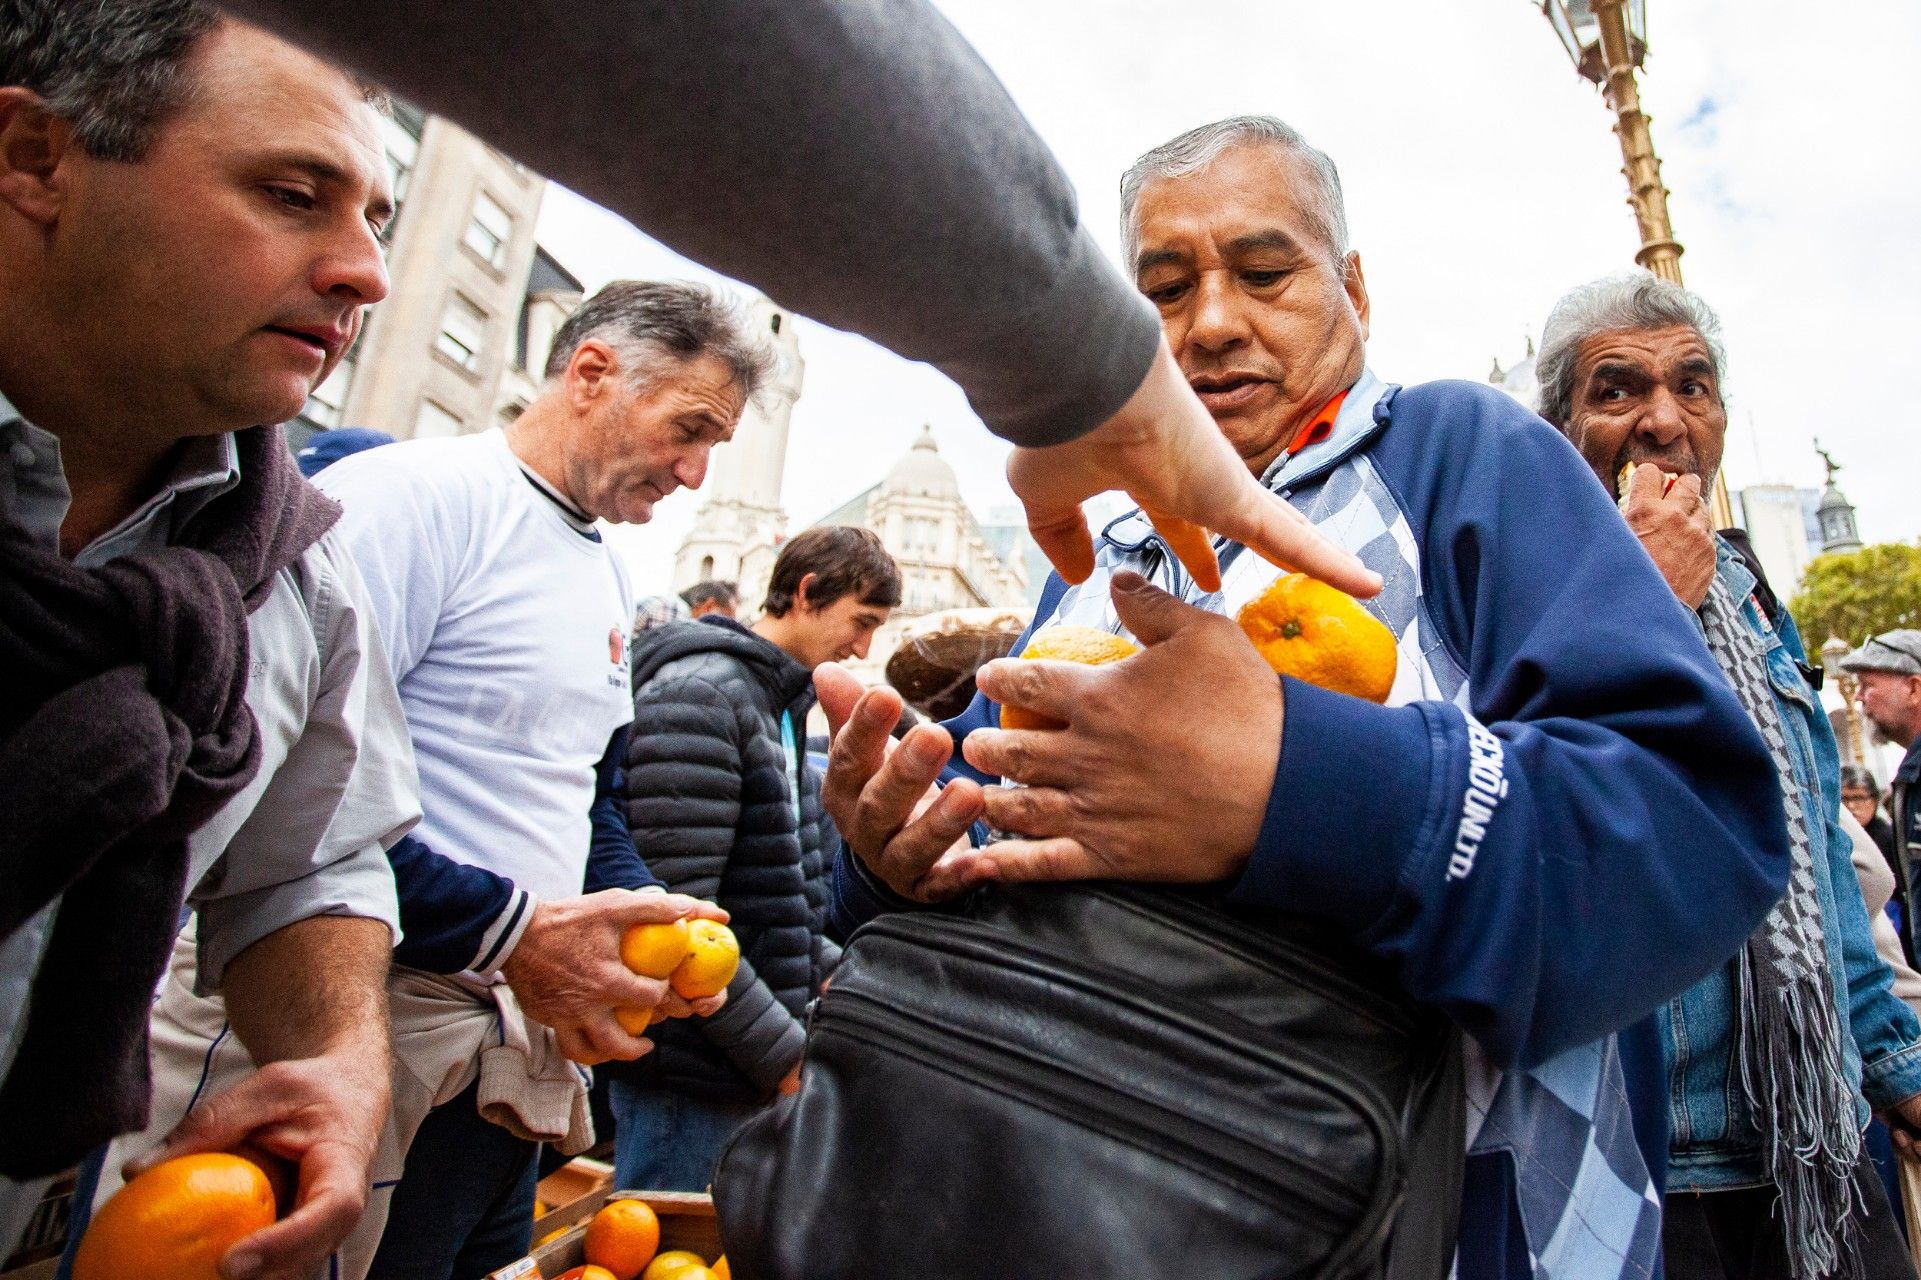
(1482,180)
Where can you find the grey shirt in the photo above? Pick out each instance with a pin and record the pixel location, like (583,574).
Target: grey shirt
(308,835)
(853,158)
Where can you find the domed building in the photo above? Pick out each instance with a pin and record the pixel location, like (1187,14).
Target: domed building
(945,558)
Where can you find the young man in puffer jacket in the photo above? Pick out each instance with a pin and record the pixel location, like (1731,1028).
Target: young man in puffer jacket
(723,806)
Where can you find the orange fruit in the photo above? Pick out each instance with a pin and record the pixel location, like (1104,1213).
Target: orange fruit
(713,953)
(1066,643)
(623,1237)
(176,1220)
(1321,634)
(282,1175)
(653,950)
(552,1236)
(588,1272)
(720,1269)
(677,1264)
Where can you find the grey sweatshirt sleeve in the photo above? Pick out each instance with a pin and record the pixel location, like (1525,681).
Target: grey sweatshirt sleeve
(854,159)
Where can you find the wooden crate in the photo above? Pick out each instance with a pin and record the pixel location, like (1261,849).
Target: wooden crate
(686,1222)
(571,1193)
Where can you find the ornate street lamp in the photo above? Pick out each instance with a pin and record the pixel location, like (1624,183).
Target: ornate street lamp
(1853,735)
(1607,40)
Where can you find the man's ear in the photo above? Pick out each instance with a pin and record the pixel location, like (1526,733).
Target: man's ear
(801,602)
(33,142)
(590,371)
(1356,285)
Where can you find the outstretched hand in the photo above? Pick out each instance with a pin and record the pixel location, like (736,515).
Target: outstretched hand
(882,796)
(1165,451)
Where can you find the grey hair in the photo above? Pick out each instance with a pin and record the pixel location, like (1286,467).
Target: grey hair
(649,322)
(113,69)
(1617,304)
(1197,148)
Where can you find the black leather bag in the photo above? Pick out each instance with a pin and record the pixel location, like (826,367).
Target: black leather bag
(1104,1081)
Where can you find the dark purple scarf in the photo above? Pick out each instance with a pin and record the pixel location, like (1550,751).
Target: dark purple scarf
(124,727)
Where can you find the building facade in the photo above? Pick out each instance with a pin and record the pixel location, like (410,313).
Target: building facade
(946,561)
(459,343)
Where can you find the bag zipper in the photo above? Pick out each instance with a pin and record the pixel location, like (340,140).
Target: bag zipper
(1244,942)
(1212,1153)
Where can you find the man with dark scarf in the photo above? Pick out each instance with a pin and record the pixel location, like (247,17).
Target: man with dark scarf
(197,709)
(1774,1061)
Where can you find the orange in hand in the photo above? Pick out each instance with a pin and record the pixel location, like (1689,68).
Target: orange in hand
(1066,643)
(713,954)
(176,1220)
(623,1237)
(1321,634)
(653,950)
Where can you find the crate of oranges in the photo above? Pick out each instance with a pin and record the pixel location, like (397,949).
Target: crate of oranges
(632,1235)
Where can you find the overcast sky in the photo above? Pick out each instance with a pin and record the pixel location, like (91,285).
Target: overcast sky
(1482,180)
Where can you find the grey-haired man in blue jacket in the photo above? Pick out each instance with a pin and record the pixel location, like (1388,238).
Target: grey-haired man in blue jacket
(1562,817)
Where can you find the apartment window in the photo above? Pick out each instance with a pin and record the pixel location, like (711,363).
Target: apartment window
(489,230)
(403,153)
(323,404)
(461,332)
(435,419)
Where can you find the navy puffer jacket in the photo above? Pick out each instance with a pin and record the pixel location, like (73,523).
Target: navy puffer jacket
(708,794)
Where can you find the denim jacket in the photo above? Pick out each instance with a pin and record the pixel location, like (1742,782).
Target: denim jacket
(1715,1144)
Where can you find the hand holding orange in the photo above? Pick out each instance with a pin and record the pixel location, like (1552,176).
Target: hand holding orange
(697,957)
(176,1220)
(1066,643)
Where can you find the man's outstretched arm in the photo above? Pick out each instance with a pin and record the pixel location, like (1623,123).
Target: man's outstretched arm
(861,163)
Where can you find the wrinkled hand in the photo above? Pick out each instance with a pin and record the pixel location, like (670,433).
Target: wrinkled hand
(1166,452)
(1676,530)
(323,1114)
(566,972)
(1164,769)
(882,796)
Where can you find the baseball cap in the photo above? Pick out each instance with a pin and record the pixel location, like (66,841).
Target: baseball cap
(1898,651)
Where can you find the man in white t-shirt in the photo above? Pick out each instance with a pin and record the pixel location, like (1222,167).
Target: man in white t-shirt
(506,620)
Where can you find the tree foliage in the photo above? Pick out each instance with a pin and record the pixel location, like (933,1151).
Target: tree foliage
(1857,594)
